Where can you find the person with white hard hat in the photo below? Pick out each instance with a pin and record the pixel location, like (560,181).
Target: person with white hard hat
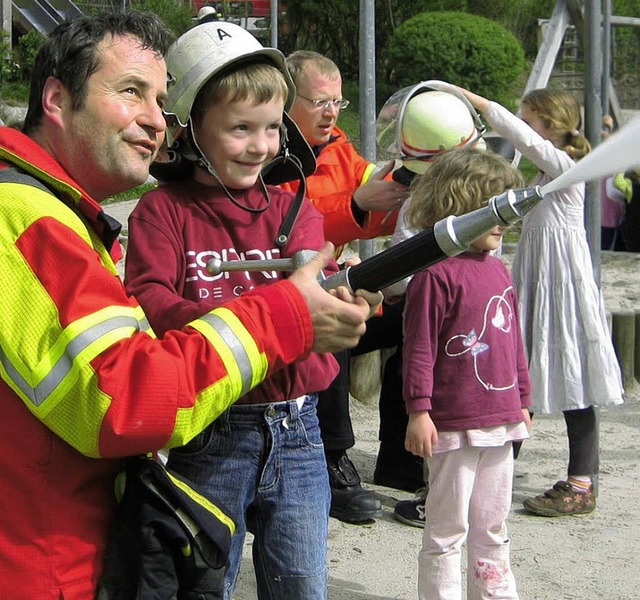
(416,124)
(209,13)
(263,459)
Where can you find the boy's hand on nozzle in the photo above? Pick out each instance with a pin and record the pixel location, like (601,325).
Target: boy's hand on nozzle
(338,316)
(373,299)
(421,434)
(378,194)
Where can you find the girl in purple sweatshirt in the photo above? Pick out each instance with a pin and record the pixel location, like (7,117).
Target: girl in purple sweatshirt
(466,384)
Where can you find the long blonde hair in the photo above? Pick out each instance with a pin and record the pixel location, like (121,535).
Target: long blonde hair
(560,114)
(458,182)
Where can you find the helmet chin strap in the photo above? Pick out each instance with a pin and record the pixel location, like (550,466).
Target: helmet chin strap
(203,162)
(194,153)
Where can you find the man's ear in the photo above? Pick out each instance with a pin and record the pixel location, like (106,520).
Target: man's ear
(55,100)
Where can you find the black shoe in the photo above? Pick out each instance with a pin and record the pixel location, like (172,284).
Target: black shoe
(350,502)
(400,471)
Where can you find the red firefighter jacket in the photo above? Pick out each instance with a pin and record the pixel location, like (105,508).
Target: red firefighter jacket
(84,382)
(340,172)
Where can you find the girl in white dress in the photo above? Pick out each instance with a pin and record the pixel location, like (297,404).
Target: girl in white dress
(572,362)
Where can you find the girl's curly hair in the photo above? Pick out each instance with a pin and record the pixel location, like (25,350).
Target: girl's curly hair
(458,182)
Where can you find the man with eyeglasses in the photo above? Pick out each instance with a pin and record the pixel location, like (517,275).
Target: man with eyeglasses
(358,202)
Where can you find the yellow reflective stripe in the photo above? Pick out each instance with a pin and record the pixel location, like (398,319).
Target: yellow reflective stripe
(367,173)
(242,359)
(205,502)
(76,346)
(245,365)
(57,184)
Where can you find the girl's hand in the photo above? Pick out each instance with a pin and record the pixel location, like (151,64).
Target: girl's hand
(478,102)
(526,417)
(421,434)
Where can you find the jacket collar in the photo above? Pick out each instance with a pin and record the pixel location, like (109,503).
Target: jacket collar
(21,151)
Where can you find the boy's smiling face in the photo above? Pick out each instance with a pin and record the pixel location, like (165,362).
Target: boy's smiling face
(239,138)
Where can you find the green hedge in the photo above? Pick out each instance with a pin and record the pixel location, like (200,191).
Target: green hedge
(466,50)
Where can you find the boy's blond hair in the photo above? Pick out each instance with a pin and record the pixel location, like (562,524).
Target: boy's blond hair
(458,182)
(258,82)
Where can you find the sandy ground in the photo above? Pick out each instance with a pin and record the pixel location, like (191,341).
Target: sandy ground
(589,557)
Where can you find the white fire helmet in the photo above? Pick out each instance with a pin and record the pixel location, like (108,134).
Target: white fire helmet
(421,121)
(193,59)
(198,55)
(207,11)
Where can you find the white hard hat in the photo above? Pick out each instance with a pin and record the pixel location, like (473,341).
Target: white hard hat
(207,10)
(202,52)
(421,121)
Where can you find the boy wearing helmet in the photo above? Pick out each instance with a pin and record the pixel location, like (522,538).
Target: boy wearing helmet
(263,459)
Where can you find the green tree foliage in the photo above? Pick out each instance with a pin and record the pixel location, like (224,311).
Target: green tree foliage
(332,27)
(329,27)
(17,69)
(463,49)
(176,15)
(28,46)
(626,40)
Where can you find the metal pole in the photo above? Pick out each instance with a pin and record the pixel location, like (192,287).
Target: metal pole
(593,122)
(6,8)
(273,9)
(606,56)
(367,78)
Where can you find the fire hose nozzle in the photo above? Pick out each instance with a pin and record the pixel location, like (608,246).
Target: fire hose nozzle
(448,237)
(215,266)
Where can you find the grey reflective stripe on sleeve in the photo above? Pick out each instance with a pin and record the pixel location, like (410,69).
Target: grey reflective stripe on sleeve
(236,347)
(64,364)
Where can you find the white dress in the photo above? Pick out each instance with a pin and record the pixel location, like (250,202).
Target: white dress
(571,357)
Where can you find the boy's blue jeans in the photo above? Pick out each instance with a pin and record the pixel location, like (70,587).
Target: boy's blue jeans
(265,463)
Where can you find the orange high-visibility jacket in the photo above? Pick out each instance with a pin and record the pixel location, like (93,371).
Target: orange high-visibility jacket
(84,381)
(340,172)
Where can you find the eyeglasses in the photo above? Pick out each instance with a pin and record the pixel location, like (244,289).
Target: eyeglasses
(324,104)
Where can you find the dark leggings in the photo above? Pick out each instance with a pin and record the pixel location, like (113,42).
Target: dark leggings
(582,431)
(333,404)
(336,428)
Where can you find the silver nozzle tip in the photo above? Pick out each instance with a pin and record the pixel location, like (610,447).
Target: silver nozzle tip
(214,266)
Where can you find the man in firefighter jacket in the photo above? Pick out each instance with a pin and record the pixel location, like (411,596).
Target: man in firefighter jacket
(83,380)
(354,198)
(357,202)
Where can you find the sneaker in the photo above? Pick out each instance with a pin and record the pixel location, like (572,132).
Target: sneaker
(411,512)
(561,500)
(350,502)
